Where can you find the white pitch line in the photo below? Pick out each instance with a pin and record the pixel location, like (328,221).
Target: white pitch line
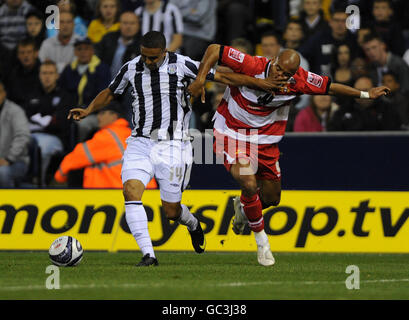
(157,285)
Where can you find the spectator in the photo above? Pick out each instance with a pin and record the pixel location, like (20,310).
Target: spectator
(384,61)
(80,25)
(320,47)
(101,156)
(199,25)
(365,114)
(157,15)
(14,141)
(270,45)
(342,67)
(13,22)
(116,48)
(84,78)
(107,20)
(36,27)
(359,68)
(314,118)
(23,78)
(312,18)
(386,27)
(293,35)
(47,109)
(396,98)
(87,75)
(60,48)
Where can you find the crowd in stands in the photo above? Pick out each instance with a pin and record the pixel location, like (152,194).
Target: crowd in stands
(46,70)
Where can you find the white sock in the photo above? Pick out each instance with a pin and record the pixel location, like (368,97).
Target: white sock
(138,224)
(261,238)
(187,219)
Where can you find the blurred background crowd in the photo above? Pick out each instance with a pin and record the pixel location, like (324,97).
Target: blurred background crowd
(45,71)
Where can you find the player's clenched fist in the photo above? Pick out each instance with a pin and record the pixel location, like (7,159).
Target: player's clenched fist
(377,92)
(196,88)
(77,114)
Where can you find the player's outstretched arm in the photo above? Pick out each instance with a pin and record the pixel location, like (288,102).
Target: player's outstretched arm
(209,60)
(101,100)
(337,89)
(237,80)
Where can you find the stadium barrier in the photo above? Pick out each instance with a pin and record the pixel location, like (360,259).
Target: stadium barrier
(305,221)
(328,161)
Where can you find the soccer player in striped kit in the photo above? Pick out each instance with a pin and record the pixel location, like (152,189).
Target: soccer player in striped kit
(159,144)
(248,125)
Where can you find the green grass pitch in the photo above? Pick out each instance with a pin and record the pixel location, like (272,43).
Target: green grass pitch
(215,276)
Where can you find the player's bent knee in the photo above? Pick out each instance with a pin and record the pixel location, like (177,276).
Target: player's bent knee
(133,190)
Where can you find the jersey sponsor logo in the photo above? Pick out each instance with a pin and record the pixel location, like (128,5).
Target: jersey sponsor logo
(315,79)
(236,55)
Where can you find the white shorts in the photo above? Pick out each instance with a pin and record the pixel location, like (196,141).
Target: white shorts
(170,162)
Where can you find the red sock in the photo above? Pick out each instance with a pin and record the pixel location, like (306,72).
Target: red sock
(253,209)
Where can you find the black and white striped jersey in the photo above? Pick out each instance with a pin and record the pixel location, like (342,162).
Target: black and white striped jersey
(161,104)
(167,19)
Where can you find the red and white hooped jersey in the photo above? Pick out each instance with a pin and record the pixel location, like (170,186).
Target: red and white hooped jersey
(257,116)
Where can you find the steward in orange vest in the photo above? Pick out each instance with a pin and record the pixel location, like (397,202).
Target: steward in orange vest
(101,156)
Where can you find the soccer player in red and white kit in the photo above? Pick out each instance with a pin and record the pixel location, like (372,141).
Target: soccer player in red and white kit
(248,125)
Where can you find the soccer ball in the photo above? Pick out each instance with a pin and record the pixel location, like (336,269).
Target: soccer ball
(65,251)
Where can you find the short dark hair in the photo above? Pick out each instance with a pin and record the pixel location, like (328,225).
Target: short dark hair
(27,42)
(338,8)
(49,62)
(296,21)
(363,77)
(271,33)
(35,13)
(390,73)
(372,36)
(387,1)
(154,39)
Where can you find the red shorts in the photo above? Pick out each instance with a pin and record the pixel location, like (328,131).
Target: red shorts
(262,157)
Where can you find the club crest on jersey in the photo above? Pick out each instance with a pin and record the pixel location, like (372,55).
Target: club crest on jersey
(315,79)
(172,68)
(236,55)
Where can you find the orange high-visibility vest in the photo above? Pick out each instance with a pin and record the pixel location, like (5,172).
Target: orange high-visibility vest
(101,157)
